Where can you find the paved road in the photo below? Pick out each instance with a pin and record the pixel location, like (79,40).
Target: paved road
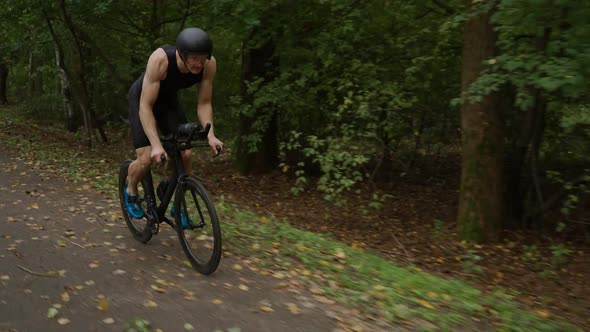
(51,228)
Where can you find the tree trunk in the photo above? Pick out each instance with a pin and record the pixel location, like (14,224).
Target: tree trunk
(518,202)
(35,79)
(257,62)
(3,83)
(90,119)
(480,206)
(71,123)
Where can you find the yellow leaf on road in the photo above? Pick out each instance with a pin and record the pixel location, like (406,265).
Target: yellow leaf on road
(266,309)
(238,267)
(63,321)
(158,289)
(35,206)
(65,297)
(102,304)
(217,301)
(294,309)
(150,304)
(243,287)
(543,313)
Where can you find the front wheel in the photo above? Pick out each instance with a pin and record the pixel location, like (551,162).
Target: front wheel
(197,226)
(138,227)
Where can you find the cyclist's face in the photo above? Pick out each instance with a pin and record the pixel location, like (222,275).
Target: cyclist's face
(196,62)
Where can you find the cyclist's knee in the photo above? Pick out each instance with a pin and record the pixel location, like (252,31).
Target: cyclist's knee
(143,156)
(186,154)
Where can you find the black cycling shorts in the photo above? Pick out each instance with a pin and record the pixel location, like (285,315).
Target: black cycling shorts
(168,117)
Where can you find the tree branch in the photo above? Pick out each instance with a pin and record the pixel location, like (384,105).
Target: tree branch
(448,9)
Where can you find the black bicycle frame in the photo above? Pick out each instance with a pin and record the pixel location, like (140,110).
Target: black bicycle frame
(177,173)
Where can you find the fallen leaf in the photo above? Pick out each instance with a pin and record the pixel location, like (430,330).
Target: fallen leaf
(119,272)
(4,278)
(189,296)
(279,275)
(150,304)
(89,282)
(542,313)
(35,206)
(238,267)
(158,289)
(324,299)
(188,327)
(217,301)
(108,321)
(432,295)
(102,304)
(52,312)
(12,219)
(93,265)
(340,254)
(293,308)
(63,321)
(266,309)
(65,297)
(243,287)
(425,304)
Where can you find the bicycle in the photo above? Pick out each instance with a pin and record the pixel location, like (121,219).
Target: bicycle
(190,198)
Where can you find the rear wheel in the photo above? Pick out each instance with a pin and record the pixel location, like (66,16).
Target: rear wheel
(197,226)
(138,227)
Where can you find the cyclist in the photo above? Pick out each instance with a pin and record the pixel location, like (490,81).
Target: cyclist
(153,102)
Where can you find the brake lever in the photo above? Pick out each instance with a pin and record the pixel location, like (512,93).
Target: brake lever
(162,160)
(218,148)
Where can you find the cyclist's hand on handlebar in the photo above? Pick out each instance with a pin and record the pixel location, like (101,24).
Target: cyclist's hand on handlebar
(216,145)
(158,155)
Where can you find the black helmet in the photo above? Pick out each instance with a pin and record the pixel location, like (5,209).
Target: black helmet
(193,40)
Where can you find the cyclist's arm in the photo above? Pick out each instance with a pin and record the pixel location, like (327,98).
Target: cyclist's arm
(155,72)
(205,109)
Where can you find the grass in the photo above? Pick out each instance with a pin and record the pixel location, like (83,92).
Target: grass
(349,275)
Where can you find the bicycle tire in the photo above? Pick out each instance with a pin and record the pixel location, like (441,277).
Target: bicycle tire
(198,193)
(141,234)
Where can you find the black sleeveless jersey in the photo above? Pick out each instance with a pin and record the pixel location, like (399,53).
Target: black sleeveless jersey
(174,81)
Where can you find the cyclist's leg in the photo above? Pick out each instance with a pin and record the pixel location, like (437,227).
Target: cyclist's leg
(170,123)
(139,167)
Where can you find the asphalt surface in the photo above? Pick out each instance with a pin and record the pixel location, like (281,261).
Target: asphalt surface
(65,246)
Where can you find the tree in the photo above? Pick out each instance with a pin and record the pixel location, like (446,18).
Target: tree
(3,82)
(480,205)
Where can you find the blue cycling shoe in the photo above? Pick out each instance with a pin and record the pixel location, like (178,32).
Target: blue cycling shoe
(183,220)
(133,206)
